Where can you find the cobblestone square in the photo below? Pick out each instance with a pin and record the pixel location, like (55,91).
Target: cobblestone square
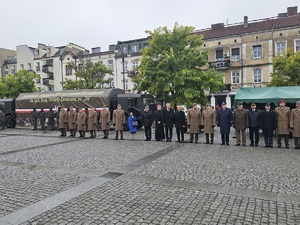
(47,179)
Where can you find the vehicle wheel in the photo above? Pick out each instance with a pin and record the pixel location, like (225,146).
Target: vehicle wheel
(9,122)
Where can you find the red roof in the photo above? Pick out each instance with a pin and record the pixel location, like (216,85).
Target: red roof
(253,26)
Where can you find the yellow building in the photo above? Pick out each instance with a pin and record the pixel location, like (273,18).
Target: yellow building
(244,51)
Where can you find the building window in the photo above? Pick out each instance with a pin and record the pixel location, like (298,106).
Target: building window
(134,48)
(38,80)
(50,88)
(111,84)
(37,52)
(38,66)
(235,54)
(29,66)
(257,53)
(13,69)
(235,77)
(134,65)
(219,55)
(68,71)
(126,84)
(280,47)
(257,76)
(125,49)
(125,66)
(80,66)
(297,45)
(110,64)
(21,66)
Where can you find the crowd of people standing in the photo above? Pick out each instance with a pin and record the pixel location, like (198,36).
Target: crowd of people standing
(282,120)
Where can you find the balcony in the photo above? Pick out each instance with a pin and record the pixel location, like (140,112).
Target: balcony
(220,65)
(48,82)
(132,73)
(47,68)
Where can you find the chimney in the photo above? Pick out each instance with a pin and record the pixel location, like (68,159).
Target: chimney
(217,26)
(291,11)
(245,21)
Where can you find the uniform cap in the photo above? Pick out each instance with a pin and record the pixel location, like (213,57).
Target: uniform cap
(253,104)
(282,101)
(224,103)
(239,103)
(268,104)
(147,106)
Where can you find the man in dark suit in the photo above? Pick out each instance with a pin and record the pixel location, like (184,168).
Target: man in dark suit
(224,121)
(253,116)
(168,121)
(147,120)
(268,123)
(179,123)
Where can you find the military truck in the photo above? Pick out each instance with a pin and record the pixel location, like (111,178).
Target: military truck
(87,98)
(8,108)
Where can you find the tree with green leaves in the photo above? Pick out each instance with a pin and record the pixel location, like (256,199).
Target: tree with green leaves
(12,85)
(286,70)
(87,76)
(172,67)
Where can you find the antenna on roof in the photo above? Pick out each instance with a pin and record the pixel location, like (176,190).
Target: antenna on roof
(226,22)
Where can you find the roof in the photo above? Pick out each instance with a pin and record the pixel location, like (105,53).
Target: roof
(253,26)
(268,94)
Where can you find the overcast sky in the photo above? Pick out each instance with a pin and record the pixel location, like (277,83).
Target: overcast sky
(93,23)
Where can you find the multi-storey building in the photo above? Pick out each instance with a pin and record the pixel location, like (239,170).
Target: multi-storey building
(245,51)
(7,62)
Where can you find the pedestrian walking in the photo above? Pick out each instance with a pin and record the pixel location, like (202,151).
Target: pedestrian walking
(132,124)
(81,116)
(168,120)
(119,121)
(240,124)
(224,121)
(2,120)
(159,127)
(179,123)
(194,122)
(208,120)
(253,117)
(71,120)
(63,121)
(283,122)
(92,122)
(147,120)
(268,123)
(295,124)
(104,121)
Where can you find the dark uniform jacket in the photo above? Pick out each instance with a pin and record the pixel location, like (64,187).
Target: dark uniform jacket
(253,117)
(268,122)
(158,117)
(224,120)
(179,119)
(147,118)
(168,117)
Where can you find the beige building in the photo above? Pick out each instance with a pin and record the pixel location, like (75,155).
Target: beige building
(7,62)
(244,51)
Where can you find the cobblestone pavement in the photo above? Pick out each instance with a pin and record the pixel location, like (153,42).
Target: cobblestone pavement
(46,179)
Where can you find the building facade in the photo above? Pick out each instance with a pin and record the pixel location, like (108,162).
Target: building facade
(7,62)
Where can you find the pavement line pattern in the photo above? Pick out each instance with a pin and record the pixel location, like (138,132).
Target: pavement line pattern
(248,193)
(40,146)
(33,210)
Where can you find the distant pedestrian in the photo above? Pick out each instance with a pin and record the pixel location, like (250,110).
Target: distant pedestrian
(92,122)
(34,117)
(194,122)
(168,120)
(105,121)
(119,121)
(51,116)
(179,123)
(283,122)
(147,120)
(268,123)
(295,125)
(132,124)
(71,120)
(63,121)
(240,124)
(208,120)
(159,127)
(81,116)
(253,116)
(224,121)
(2,120)
(42,117)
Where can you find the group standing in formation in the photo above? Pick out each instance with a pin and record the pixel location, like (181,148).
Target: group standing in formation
(281,120)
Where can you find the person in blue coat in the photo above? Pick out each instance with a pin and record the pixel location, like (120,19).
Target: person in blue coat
(224,121)
(131,124)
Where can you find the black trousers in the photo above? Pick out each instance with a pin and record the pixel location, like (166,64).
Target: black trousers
(148,132)
(180,133)
(225,138)
(254,133)
(169,133)
(268,141)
